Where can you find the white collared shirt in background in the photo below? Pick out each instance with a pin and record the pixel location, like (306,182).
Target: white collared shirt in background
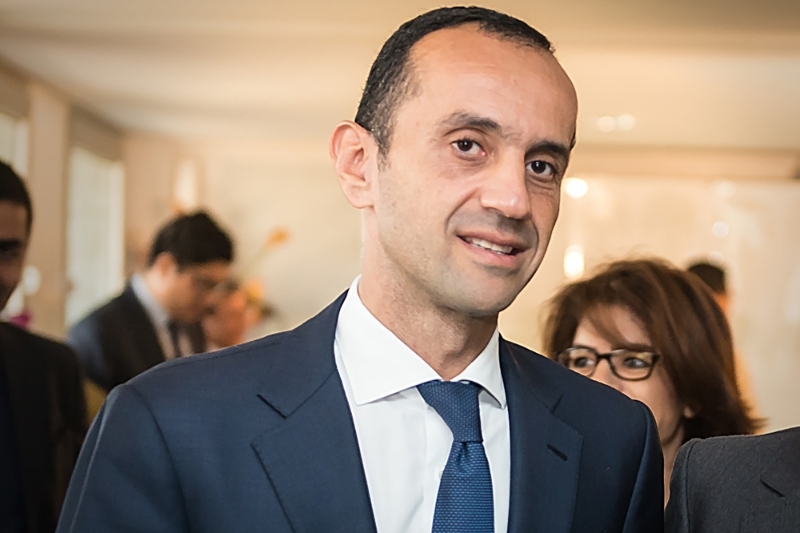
(404,443)
(160,319)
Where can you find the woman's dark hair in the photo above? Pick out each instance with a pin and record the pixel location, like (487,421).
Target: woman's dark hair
(685,326)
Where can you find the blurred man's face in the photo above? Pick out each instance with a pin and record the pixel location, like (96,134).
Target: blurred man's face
(190,291)
(13,245)
(468,194)
(227,323)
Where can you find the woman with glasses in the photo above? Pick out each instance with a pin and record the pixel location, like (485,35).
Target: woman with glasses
(656,334)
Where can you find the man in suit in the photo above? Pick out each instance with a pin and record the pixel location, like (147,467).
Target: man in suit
(157,316)
(399,408)
(741,484)
(42,411)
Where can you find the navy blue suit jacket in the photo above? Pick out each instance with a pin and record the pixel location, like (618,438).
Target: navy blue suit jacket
(259,438)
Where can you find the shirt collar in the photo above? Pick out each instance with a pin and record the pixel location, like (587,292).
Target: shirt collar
(378,364)
(157,314)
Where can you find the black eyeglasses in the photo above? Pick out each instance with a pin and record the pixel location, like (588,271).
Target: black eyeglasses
(627,364)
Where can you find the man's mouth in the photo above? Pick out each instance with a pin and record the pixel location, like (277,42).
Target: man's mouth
(491,246)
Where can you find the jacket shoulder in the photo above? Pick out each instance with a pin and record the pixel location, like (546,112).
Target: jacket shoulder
(113,310)
(717,461)
(36,345)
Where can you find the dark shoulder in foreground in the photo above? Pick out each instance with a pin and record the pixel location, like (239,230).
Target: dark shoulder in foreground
(717,461)
(40,346)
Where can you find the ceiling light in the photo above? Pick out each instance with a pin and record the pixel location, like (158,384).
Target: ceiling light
(626,122)
(573,262)
(720,229)
(606,124)
(576,187)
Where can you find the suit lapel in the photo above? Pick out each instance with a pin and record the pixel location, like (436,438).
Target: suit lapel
(545,451)
(30,407)
(782,512)
(148,348)
(783,477)
(311,453)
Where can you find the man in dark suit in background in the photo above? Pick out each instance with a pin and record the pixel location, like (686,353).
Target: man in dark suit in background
(399,408)
(157,316)
(42,410)
(742,484)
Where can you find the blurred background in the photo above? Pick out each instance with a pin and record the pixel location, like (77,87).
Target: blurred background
(121,113)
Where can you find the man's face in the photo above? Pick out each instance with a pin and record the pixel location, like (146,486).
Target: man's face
(191,290)
(468,193)
(13,244)
(226,324)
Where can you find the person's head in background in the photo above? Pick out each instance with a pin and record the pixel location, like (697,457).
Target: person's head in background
(227,320)
(16,218)
(189,257)
(714,278)
(654,333)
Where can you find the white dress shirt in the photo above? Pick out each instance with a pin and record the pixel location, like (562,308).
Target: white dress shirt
(160,320)
(404,443)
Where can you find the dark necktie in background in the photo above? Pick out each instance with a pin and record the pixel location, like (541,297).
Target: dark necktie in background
(174,336)
(465,503)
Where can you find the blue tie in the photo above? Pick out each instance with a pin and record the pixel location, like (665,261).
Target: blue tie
(464,503)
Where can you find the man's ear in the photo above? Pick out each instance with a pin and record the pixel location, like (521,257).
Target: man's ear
(354,154)
(165,264)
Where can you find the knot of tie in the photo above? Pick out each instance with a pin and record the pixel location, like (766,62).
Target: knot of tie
(457,404)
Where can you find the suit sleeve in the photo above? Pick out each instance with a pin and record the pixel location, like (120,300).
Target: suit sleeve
(677,513)
(85,339)
(646,510)
(125,480)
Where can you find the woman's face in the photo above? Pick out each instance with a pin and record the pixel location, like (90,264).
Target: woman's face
(656,392)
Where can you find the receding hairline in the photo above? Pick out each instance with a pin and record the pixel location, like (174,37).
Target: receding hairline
(410,83)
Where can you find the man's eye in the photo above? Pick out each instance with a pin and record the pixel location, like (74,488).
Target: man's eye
(467,146)
(541,169)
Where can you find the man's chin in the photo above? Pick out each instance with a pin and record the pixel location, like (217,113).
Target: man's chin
(483,305)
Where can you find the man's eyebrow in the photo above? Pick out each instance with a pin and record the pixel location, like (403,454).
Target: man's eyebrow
(462,119)
(6,244)
(550,147)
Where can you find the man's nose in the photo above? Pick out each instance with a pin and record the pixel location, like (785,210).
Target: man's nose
(505,189)
(604,375)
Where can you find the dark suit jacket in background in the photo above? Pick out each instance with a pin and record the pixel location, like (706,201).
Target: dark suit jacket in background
(119,341)
(259,438)
(737,485)
(49,419)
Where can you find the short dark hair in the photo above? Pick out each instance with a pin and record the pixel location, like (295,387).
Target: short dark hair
(685,325)
(192,239)
(390,77)
(712,275)
(13,190)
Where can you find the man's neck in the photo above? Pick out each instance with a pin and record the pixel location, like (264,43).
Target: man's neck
(154,287)
(445,339)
